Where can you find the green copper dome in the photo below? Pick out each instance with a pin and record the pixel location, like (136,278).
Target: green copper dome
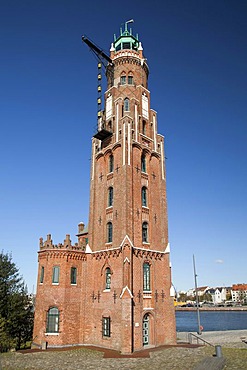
(126,40)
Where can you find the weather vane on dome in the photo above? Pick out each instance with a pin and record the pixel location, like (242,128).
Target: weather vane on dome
(126,24)
(130,21)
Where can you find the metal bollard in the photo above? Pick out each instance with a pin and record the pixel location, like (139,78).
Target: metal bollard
(44,345)
(218,351)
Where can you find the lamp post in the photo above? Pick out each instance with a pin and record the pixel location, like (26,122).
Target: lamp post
(197,301)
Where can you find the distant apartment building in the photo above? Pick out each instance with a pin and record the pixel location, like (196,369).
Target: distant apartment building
(239,293)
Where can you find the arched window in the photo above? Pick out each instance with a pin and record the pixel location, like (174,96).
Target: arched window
(52,325)
(107,278)
(126,105)
(111,163)
(110,196)
(143,163)
(146,277)
(109,232)
(145,232)
(144,196)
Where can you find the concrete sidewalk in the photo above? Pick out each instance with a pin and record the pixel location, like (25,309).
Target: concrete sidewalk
(228,338)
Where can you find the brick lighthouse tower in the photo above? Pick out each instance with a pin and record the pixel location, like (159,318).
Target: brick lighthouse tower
(115,291)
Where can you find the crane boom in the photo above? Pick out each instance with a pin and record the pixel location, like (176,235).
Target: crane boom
(99,52)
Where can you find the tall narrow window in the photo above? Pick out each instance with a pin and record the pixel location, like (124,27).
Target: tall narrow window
(107,278)
(144,127)
(55,275)
(42,272)
(146,277)
(126,105)
(145,105)
(143,163)
(106,326)
(73,275)
(110,197)
(109,126)
(130,80)
(144,196)
(108,109)
(123,80)
(109,232)
(111,163)
(52,324)
(145,232)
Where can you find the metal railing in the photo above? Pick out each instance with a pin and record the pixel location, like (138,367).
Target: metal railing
(199,340)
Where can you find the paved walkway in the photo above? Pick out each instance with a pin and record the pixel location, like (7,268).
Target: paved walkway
(228,338)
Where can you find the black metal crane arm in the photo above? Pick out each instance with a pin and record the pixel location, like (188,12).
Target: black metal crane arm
(99,52)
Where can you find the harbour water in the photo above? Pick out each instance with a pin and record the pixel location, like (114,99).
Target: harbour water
(211,320)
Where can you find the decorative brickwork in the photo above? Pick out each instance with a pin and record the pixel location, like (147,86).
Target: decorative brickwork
(112,288)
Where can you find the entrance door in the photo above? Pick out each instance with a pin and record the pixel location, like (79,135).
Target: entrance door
(145,330)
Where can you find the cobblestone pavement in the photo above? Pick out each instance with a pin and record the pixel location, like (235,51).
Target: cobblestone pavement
(80,359)
(171,358)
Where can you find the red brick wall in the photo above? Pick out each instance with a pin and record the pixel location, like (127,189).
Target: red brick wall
(66,297)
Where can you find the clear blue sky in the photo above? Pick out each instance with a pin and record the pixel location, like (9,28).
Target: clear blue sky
(197,54)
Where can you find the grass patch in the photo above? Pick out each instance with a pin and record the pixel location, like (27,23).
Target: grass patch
(236,358)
